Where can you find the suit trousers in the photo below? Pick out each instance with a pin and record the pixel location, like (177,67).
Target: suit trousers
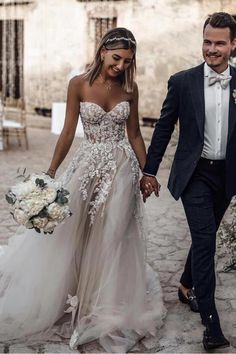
(205,202)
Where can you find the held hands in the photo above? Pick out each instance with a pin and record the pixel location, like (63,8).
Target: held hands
(148,185)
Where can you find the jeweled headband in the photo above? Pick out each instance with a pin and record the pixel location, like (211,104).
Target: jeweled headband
(117,39)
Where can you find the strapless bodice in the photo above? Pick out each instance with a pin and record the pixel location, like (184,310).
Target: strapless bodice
(101,126)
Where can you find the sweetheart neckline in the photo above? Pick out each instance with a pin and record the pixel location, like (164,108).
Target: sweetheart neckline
(96,104)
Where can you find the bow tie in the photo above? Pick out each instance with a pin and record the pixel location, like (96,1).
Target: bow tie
(223,80)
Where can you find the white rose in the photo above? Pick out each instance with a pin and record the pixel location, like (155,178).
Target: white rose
(51,183)
(20,216)
(50,226)
(15,206)
(40,223)
(32,206)
(23,188)
(36,193)
(36,208)
(49,195)
(58,212)
(34,176)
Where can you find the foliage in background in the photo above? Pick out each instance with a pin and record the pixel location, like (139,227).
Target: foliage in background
(227,235)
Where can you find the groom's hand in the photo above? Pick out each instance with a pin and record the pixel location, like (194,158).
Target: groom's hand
(148,185)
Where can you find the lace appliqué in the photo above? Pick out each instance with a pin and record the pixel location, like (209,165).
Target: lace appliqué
(105,132)
(73,301)
(100,165)
(101,126)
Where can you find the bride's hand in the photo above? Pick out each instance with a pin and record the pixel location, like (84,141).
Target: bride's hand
(148,185)
(51,172)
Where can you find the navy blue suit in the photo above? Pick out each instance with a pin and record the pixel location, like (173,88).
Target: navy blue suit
(205,189)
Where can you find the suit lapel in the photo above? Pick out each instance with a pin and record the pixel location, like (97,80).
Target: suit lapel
(196,86)
(232,103)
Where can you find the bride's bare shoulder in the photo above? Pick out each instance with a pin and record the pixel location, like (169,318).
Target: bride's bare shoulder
(78,85)
(79,81)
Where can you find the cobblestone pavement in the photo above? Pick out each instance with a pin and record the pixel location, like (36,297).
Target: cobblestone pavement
(167,244)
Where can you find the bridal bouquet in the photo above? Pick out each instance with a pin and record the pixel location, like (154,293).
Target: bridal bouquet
(38,202)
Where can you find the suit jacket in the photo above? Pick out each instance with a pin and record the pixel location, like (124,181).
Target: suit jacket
(185,102)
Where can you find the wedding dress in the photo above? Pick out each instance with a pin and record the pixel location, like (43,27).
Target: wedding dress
(97,256)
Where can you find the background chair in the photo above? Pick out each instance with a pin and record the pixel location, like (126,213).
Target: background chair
(15,128)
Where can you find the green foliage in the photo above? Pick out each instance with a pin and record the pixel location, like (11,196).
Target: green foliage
(61,198)
(43,213)
(40,183)
(227,235)
(48,232)
(10,197)
(23,175)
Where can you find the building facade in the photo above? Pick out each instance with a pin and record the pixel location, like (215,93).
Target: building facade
(43,43)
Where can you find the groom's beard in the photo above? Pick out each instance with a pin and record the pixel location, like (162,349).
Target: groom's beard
(215,60)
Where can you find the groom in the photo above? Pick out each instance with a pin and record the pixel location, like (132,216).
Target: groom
(203,173)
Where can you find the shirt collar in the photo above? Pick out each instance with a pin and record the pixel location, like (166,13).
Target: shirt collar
(209,71)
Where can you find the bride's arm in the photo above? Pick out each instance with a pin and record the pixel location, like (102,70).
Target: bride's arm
(68,132)
(133,130)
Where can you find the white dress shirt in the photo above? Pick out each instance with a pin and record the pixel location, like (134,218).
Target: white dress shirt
(216,117)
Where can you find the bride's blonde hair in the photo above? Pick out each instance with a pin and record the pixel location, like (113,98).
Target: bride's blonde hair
(117,38)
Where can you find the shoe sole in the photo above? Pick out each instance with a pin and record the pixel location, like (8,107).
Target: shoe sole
(213,348)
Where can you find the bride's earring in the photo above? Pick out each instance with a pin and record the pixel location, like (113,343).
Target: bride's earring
(102,59)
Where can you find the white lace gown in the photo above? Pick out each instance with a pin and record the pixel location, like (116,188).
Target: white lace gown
(97,256)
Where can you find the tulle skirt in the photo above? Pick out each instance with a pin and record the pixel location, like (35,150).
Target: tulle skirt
(97,257)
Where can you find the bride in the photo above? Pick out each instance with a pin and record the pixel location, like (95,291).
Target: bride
(89,280)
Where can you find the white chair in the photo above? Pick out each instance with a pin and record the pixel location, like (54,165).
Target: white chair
(15,128)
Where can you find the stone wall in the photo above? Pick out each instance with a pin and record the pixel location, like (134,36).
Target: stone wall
(59,41)
(55,46)
(169,33)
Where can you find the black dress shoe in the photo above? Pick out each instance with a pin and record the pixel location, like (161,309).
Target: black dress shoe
(190,299)
(210,342)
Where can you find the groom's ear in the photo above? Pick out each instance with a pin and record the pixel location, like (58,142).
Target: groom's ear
(234,44)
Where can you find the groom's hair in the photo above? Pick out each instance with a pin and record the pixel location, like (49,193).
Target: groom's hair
(222,20)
